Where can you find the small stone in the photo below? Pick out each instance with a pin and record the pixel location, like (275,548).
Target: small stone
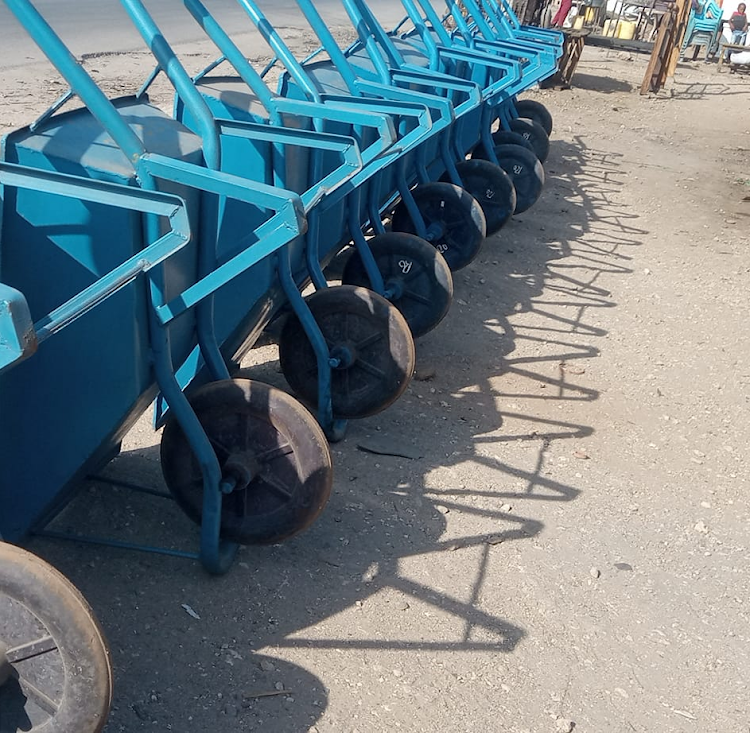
(462,302)
(358,604)
(563,725)
(505,508)
(267,666)
(595,573)
(701,527)
(404,606)
(425,373)
(279,686)
(623,566)
(647,271)
(706,504)
(397,673)
(581,455)
(442,509)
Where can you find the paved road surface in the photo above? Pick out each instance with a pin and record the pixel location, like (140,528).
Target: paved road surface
(91,26)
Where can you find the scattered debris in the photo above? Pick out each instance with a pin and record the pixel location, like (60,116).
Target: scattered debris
(267,693)
(190,612)
(389,446)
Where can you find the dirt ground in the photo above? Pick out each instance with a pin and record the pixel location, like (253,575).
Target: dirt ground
(567,549)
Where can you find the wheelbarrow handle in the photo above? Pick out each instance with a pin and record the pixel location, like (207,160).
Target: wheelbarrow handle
(332,111)
(19,337)
(441,109)
(288,222)
(345,146)
(420,113)
(438,80)
(512,72)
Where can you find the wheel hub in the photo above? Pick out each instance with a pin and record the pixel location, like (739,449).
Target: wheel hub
(243,467)
(435,231)
(345,354)
(395,288)
(5,665)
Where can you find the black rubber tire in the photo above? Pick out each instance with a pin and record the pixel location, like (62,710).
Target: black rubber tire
(533,110)
(384,356)
(525,171)
(455,213)
(75,673)
(416,270)
(250,423)
(535,134)
(492,187)
(502,137)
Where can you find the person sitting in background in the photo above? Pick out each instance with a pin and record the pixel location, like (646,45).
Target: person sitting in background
(738,27)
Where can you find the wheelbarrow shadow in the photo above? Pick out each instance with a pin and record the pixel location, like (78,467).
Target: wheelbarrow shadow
(187,647)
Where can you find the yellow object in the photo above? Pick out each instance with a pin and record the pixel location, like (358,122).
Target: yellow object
(578,23)
(589,15)
(611,27)
(626,30)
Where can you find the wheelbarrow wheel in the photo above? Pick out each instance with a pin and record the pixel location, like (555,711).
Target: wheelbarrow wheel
(492,187)
(370,341)
(414,272)
(269,445)
(502,137)
(533,110)
(455,223)
(55,671)
(535,134)
(525,171)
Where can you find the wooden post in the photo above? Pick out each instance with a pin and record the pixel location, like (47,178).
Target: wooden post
(683,14)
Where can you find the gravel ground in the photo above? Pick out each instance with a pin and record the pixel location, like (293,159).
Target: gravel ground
(567,549)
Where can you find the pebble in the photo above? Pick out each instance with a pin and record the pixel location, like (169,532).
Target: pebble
(279,686)
(425,373)
(701,527)
(505,508)
(563,725)
(595,573)
(267,666)
(442,509)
